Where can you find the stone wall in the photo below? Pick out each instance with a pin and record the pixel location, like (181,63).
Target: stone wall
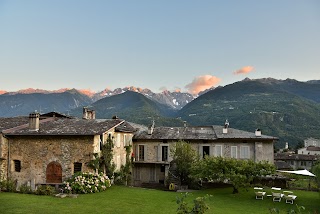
(3,157)
(36,152)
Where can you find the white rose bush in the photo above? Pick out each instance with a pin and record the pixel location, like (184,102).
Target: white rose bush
(87,182)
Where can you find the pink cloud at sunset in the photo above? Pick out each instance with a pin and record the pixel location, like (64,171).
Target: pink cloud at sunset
(202,83)
(244,70)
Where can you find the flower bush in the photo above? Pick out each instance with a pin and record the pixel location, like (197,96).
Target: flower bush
(87,182)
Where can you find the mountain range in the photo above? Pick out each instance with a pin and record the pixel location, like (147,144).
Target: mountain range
(288,109)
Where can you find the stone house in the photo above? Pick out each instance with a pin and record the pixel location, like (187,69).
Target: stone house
(151,147)
(47,149)
(310,150)
(297,161)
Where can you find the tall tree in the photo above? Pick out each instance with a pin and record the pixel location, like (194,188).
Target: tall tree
(184,156)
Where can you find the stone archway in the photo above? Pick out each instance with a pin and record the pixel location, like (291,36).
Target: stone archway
(54,173)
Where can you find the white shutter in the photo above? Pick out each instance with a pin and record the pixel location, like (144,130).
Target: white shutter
(145,152)
(200,150)
(159,152)
(233,152)
(218,150)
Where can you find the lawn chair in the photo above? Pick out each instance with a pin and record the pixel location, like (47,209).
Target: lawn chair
(289,196)
(276,194)
(259,193)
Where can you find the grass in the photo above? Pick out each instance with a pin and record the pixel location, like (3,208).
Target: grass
(120,199)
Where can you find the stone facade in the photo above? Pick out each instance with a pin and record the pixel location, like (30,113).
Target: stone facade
(35,154)
(59,148)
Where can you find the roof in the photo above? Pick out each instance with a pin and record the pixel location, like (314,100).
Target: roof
(313,148)
(198,133)
(7,123)
(73,126)
(283,156)
(280,164)
(125,127)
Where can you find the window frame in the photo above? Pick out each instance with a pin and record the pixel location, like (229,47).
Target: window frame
(236,152)
(242,155)
(216,151)
(77,165)
(17,165)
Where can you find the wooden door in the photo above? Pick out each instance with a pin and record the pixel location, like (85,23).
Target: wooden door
(54,173)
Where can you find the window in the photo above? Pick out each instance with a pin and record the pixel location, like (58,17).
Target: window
(164,153)
(17,165)
(233,152)
(291,163)
(141,152)
(101,142)
(303,163)
(218,150)
(77,167)
(205,151)
(162,168)
(244,152)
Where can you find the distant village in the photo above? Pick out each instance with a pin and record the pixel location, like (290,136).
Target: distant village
(49,148)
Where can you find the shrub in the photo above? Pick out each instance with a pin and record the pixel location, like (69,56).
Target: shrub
(25,189)
(45,190)
(87,183)
(8,185)
(199,205)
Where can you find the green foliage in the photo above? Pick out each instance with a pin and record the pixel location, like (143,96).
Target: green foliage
(8,185)
(45,190)
(199,205)
(124,175)
(239,173)
(25,189)
(106,158)
(316,171)
(297,210)
(251,105)
(87,183)
(184,157)
(103,162)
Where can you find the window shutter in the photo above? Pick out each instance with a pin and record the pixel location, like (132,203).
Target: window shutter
(159,153)
(136,152)
(170,158)
(200,150)
(145,153)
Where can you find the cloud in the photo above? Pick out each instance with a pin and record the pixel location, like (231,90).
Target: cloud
(244,70)
(202,83)
(177,89)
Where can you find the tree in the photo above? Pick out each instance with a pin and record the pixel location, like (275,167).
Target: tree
(104,161)
(316,171)
(239,173)
(184,156)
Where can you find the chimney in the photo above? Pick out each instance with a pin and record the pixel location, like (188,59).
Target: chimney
(34,121)
(88,114)
(258,133)
(225,128)
(150,128)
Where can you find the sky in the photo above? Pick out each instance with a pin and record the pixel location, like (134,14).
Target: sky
(157,44)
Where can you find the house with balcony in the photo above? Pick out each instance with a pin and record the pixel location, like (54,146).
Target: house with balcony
(151,147)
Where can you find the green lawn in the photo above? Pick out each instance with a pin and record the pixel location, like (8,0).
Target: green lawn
(119,199)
